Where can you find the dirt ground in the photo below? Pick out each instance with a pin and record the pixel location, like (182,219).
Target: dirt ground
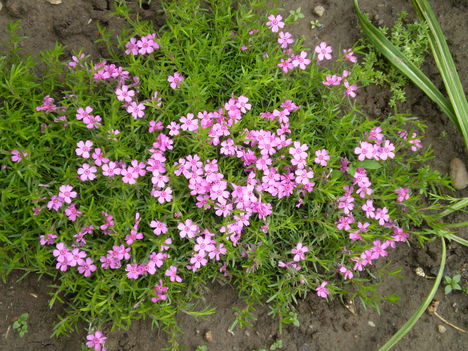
(324,327)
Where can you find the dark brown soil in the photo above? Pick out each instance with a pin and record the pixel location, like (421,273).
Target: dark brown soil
(324,327)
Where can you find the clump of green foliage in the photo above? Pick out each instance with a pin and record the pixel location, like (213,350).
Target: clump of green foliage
(224,51)
(21,324)
(411,39)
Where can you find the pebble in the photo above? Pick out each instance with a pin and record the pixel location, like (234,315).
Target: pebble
(371,324)
(54,2)
(441,329)
(379,21)
(208,336)
(1,6)
(458,174)
(319,10)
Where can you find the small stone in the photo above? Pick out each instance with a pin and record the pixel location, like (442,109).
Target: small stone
(208,336)
(371,324)
(247,333)
(319,10)
(378,20)
(1,6)
(441,329)
(54,2)
(458,174)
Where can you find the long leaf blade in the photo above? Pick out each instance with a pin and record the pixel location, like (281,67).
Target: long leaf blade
(446,65)
(396,57)
(414,318)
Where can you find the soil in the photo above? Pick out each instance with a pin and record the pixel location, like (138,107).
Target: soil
(323,326)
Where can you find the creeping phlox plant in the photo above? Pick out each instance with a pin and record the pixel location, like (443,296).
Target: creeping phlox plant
(217,148)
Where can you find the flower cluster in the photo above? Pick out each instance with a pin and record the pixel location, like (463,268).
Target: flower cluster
(380,149)
(143,46)
(217,190)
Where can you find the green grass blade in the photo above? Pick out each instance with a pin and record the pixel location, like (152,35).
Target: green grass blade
(446,65)
(396,57)
(457,239)
(414,318)
(457,206)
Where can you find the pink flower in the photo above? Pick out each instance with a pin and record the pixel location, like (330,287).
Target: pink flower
(128,176)
(163,195)
(188,229)
(133,271)
(173,128)
(124,94)
(301,60)
(369,209)
(133,236)
(131,47)
(76,257)
(87,172)
(160,292)
(347,274)
(322,291)
(92,121)
(349,55)
(332,80)
(299,252)
(350,89)
(67,193)
(154,126)
(110,169)
(98,157)
(136,110)
(322,157)
(324,51)
(48,239)
(84,148)
(145,46)
(87,267)
(17,156)
(189,123)
(72,213)
(96,341)
(298,151)
(76,60)
(285,65)
(198,260)
(175,80)
(284,39)
(403,194)
(415,142)
(386,150)
(159,227)
(83,112)
(55,203)
(364,150)
(381,214)
(275,23)
(171,272)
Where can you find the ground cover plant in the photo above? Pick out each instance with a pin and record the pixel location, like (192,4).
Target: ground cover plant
(217,148)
